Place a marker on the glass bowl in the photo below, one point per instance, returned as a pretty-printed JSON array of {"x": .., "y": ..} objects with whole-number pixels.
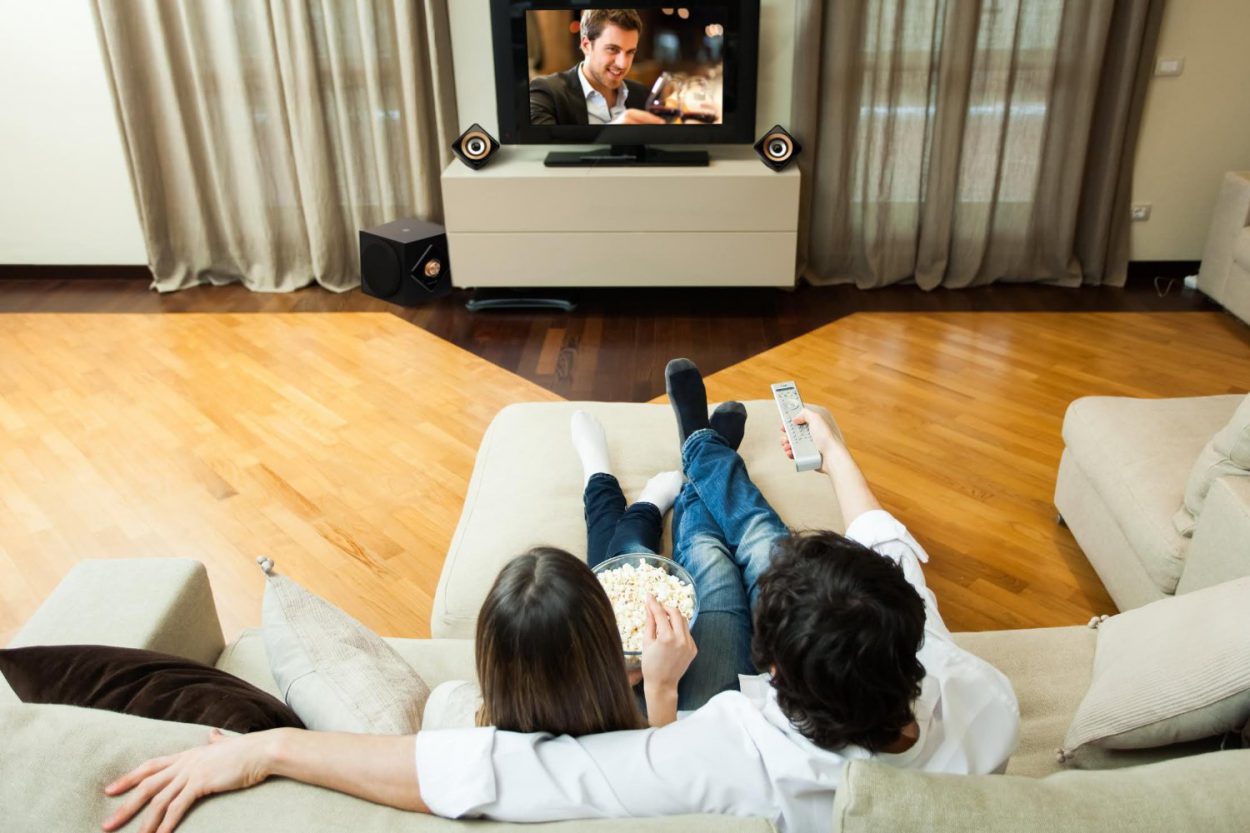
[{"x": 634, "y": 658}]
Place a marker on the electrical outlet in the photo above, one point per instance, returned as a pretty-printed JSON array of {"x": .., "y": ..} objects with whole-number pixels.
[
  {"x": 1169, "y": 67},
  {"x": 1141, "y": 211}
]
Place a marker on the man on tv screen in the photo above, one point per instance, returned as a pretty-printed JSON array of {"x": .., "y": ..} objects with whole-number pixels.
[{"x": 596, "y": 91}]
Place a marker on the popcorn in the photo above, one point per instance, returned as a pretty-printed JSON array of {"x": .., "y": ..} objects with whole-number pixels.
[{"x": 627, "y": 587}]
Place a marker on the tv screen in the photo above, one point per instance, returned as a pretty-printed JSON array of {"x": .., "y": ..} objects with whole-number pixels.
[{"x": 589, "y": 72}]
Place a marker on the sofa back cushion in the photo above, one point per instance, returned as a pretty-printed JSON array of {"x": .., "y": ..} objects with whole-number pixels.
[
  {"x": 1228, "y": 453},
  {"x": 1175, "y": 670},
  {"x": 65, "y": 790},
  {"x": 1206, "y": 792}
]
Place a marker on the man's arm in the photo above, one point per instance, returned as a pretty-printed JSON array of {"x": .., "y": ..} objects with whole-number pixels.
[
  {"x": 852, "y": 490},
  {"x": 542, "y": 103},
  {"x": 376, "y": 768}
]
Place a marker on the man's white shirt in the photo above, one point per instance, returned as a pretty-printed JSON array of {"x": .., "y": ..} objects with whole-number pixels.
[
  {"x": 738, "y": 754},
  {"x": 597, "y": 108}
]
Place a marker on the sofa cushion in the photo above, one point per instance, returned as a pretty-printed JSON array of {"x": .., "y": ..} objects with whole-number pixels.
[
  {"x": 65, "y": 791},
  {"x": 1159, "y": 798},
  {"x": 1227, "y": 453},
  {"x": 1241, "y": 249},
  {"x": 526, "y": 490},
  {"x": 1175, "y": 670},
  {"x": 143, "y": 683},
  {"x": 1138, "y": 453},
  {"x": 336, "y": 674}
]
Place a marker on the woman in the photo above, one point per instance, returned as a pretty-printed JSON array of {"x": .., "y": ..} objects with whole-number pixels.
[{"x": 549, "y": 660}]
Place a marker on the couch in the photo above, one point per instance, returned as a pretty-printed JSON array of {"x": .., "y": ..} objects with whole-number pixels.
[
  {"x": 167, "y": 605},
  {"x": 1122, "y": 478},
  {"x": 1225, "y": 272}
]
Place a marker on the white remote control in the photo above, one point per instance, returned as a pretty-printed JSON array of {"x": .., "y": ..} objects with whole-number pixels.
[{"x": 806, "y": 457}]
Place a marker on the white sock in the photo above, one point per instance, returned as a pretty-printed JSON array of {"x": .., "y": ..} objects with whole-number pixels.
[
  {"x": 662, "y": 490},
  {"x": 591, "y": 444}
]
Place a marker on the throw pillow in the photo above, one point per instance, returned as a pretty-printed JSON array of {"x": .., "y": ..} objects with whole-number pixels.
[
  {"x": 1227, "y": 453},
  {"x": 336, "y": 674},
  {"x": 141, "y": 683},
  {"x": 1175, "y": 670}
]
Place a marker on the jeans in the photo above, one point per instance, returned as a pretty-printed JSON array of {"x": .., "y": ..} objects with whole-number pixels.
[
  {"x": 723, "y": 534},
  {"x": 611, "y": 528}
]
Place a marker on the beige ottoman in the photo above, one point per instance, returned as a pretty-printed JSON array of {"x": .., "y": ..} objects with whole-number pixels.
[{"x": 526, "y": 490}]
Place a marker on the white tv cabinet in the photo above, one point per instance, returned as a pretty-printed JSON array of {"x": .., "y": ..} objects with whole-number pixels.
[{"x": 516, "y": 223}]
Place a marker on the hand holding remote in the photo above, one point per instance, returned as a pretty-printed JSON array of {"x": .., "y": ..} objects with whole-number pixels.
[{"x": 821, "y": 434}]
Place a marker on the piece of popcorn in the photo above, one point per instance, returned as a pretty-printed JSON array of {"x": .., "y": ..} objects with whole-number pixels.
[{"x": 627, "y": 587}]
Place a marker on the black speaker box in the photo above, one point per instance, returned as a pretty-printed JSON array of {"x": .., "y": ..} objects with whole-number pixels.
[
  {"x": 777, "y": 148},
  {"x": 474, "y": 147},
  {"x": 405, "y": 262}
]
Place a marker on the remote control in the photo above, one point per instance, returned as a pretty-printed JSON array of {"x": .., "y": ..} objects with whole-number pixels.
[{"x": 806, "y": 457}]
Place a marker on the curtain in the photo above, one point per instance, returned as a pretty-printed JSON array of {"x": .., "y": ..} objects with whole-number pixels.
[
  {"x": 962, "y": 142},
  {"x": 263, "y": 134}
]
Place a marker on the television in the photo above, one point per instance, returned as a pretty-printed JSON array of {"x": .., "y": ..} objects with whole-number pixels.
[{"x": 650, "y": 73}]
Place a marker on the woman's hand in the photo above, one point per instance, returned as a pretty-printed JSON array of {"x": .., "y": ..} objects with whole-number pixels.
[
  {"x": 169, "y": 786},
  {"x": 667, "y": 651}
]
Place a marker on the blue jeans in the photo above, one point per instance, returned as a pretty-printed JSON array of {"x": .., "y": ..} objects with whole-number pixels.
[
  {"x": 611, "y": 528},
  {"x": 723, "y": 534}
]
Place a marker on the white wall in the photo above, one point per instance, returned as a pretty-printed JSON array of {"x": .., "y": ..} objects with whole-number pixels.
[
  {"x": 473, "y": 57},
  {"x": 65, "y": 195},
  {"x": 1195, "y": 127}
]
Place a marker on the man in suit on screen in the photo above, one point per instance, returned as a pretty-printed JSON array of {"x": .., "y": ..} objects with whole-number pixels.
[{"x": 596, "y": 91}]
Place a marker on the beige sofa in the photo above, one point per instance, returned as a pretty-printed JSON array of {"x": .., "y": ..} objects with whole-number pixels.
[
  {"x": 1122, "y": 478},
  {"x": 1225, "y": 272},
  {"x": 55, "y": 760}
]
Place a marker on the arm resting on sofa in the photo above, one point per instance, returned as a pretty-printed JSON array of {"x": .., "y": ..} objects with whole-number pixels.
[
  {"x": 1220, "y": 550},
  {"x": 160, "y": 604}
]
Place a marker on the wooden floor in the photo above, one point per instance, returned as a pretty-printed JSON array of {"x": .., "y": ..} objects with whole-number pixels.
[{"x": 340, "y": 443}]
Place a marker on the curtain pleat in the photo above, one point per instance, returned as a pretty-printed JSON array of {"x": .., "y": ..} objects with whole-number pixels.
[
  {"x": 261, "y": 136},
  {"x": 961, "y": 143}
]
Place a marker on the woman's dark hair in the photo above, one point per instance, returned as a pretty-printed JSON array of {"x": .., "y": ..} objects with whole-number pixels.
[
  {"x": 548, "y": 653},
  {"x": 840, "y": 626}
]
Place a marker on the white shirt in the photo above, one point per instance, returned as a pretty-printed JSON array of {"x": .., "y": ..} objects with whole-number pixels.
[
  {"x": 738, "y": 755},
  {"x": 597, "y": 108}
]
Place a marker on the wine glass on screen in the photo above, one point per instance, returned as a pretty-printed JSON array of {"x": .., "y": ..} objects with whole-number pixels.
[
  {"x": 664, "y": 100},
  {"x": 698, "y": 104}
]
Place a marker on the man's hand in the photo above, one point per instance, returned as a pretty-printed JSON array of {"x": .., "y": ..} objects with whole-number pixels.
[
  {"x": 823, "y": 437},
  {"x": 168, "y": 786},
  {"x": 667, "y": 651},
  {"x": 633, "y": 115}
]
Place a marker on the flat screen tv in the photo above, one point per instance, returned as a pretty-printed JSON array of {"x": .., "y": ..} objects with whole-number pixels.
[{"x": 630, "y": 77}]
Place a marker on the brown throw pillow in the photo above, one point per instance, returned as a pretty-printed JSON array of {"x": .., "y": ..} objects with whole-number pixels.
[{"x": 141, "y": 683}]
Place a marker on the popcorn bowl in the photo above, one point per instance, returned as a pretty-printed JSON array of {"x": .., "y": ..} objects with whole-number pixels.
[{"x": 628, "y": 615}]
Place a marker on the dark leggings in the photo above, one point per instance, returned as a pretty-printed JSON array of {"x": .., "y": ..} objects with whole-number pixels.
[{"x": 611, "y": 528}]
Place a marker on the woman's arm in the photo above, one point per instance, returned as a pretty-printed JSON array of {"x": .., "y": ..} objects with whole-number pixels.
[
  {"x": 380, "y": 769},
  {"x": 667, "y": 651}
]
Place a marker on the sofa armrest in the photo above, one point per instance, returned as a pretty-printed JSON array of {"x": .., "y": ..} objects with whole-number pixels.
[
  {"x": 160, "y": 604},
  {"x": 1231, "y": 215},
  {"x": 1220, "y": 550}
]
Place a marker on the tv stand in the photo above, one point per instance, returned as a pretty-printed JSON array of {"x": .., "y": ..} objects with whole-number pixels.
[
  {"x": 626, "y": 155},
  {"x": 518, "y": 224}
]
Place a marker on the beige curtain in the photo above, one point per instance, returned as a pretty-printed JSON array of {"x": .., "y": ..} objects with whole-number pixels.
[
  {"x": 263, "y": 134},
  {"x": 960, "y": 142}
]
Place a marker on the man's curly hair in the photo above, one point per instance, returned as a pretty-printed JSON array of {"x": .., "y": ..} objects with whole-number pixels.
[{"x": 840, "y": 626}]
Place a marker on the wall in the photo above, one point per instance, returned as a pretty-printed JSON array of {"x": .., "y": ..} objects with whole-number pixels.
[
  {"x": 1195, "y": 126},
  {"x": 474, "y": 61},
  {"x": 66, "y": 195}
]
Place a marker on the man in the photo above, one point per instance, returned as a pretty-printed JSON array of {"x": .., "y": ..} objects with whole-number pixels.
[
  {"x": 596, "y": 91},
  {"x": 860, "y": 665}
]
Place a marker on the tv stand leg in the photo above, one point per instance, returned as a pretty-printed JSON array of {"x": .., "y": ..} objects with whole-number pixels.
[{"x": 487, "y": 299}]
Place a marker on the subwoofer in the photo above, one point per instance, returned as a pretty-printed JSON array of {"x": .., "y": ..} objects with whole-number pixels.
[
  {"x": 475, "y": 147},
  {"x": 405, "y": 262},
  {"x": 777, "y": 148}
]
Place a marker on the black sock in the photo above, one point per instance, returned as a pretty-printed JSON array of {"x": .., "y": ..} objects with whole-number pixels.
[
  {"x": 730, "y": 421},
  {"x": 687, "y": 395}
]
